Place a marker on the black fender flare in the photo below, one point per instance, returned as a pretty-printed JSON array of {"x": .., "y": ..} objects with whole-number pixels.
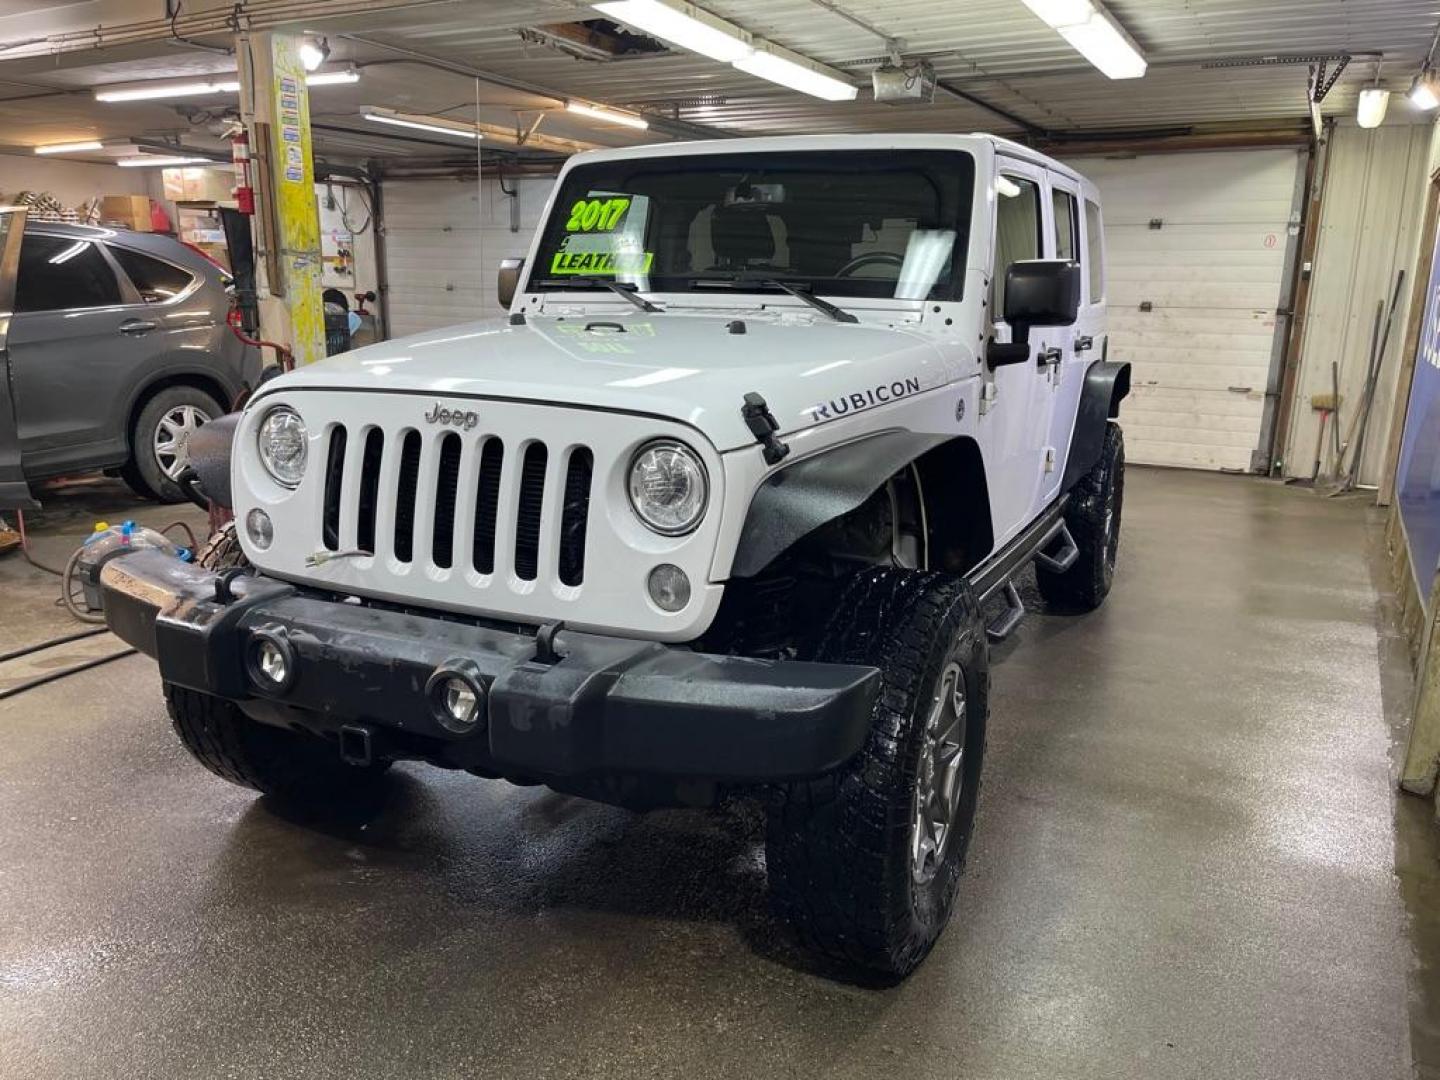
[
  {"x": 796, "y": 500},
  {"x": 1107, "y": 383},
  {"x": 210, "y": 448}
]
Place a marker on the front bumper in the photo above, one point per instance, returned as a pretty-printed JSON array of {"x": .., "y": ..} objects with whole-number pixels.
[{"x": 600, "y": 706}]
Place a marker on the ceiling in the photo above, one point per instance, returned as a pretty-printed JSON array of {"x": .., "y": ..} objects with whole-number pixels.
[{"x": 422, "y": 57}]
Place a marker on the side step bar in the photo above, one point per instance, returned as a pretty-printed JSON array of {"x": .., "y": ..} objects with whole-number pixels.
[
  {"x": 997, "y": 574},
  {"x": 1000, "y": 628},
  {"x": 1065, "y": 558}
]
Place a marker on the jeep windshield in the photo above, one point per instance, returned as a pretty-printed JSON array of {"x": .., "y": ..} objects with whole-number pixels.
[{"x": 854, "y": 223}]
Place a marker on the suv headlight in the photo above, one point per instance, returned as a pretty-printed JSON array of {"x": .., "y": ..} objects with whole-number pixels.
[
  {"x": 283, "y": 444},
  {"x": 668, "y": 487}
]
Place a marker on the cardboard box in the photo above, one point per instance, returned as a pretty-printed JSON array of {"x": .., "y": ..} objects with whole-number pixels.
[{"x": 126, "y": 211}]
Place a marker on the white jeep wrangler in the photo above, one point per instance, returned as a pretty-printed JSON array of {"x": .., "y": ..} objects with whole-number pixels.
[{"x": 715, "y": 510}]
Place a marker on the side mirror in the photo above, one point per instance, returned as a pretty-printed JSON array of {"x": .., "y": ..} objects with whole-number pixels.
[
  {"x": 1041, "y": 292},
  {"x": 509, "y": 280}
]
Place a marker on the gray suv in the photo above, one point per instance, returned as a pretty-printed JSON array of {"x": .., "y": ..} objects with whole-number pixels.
[{"x": 116, "y": 351}]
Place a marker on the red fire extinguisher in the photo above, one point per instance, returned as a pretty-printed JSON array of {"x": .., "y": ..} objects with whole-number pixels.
[{"x": 240, "y": 156}]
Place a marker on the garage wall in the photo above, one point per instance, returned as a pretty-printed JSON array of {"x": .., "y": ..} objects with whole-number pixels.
[
  {"x": 73, "y": 182},
  {"x": 444, "y": 240},
  {"x": 1369, "y": 230},
  {"x": 1201, "y": 238}
]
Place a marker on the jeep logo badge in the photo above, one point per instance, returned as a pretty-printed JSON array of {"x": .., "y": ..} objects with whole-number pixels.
[{"x": 453, "y": 417}]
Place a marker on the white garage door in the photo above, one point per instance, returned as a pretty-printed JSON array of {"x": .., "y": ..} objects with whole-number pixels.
[
  {"x": 1196, "y": 247},
  {"x": 441, "y": 256}
]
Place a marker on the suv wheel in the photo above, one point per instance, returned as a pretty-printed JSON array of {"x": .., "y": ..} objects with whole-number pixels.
[
  {"x": 865, "y": 862},
  {"x": 294, "y": 767},
  {"x": 1094, "y": 520},
  {"x": 160, "y": 440}
]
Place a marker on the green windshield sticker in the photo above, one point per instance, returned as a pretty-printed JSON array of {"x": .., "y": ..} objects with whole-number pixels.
[
  {"x": 597, "y": 215},
  {"x": 600, "y": 263}
]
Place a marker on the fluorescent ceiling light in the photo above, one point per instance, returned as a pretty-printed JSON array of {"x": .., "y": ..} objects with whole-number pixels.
[
  {"x": 681, "y": 24},
  {"x": 159, "y": 159},
  {"x": 797, "y": 76},
  {"x": 69, "y": 147},
  {"x": 1058, "y": 13},
  {"x": 332, "y": 78},
  {"x": 1425, "y": 91},
  {"x": 435, "y": 124},
  {"x": 1104, "y": 42},
  {"x": 161, "y": 89},
  {"x": 1094, "y": 34},
  {"x": 1370, "y": 112},
  {"x": 610, "y": 116},
  {"x": 220, "y": 84}
]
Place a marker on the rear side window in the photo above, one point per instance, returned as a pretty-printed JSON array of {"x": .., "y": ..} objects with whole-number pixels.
[
  {"x": 1095, "y": 244},
  {"x": 1067, "y": 225},
  {"x": 1017, "y": 231},
  {"x": 58, "y": 272},
  {"x": 154, "y": 279}
]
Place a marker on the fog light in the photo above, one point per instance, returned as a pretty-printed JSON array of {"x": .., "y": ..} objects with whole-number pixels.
[
  {"x": 461, "y": 702},
  {"x": 457, "y": 696},
  {"x": 260, "y": 528},
  {"x": 669, "y": 587},
  {"x": 271, "y": 662}
]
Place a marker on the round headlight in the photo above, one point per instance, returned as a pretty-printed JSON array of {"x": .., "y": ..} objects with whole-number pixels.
[
  {"x": 668, "y": 487},
  {"x": 283, "y": 445}
]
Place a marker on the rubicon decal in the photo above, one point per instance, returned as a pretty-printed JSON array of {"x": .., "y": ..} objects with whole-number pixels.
[{"x": 860, "y": 400}]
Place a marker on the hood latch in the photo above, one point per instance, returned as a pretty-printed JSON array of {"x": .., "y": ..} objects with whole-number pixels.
[{"x": 763, "y": 425}]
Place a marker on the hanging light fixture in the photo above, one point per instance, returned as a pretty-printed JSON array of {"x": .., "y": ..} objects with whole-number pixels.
[
  {"x": 1374, "y": 101},
  {"x": 1424, "y": 91},
  {"x": 313, "y": 51}
]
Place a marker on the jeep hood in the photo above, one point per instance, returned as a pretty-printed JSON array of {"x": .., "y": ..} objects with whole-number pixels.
[{"x": 682, "y": 366}]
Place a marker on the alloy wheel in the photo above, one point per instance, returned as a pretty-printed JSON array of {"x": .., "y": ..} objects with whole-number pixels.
[
  {"x": 172, "y": 438},
  {"x": 939, "y": 780}
]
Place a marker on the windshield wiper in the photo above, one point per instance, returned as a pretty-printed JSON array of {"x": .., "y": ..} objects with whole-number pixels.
[
  {"x": 627, "y": 289},
  {"x": 800, "y": 292}
]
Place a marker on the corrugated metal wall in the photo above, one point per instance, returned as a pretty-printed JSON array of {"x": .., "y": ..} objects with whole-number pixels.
[
  {"x": 442, "y": 251},
  {"x": 1369, "y": 230}
]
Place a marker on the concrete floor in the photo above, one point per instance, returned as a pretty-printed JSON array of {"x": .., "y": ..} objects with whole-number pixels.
[{"x": 1190, "y": 863}]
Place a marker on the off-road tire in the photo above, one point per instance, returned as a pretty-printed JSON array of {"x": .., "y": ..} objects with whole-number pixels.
[
  {"x": 221, "y": 550},
  {"x": 143, "y": 472},
  {"x": 292, "y": 766},
  {"x": 1094, "y": 520},
  {"x": 838, "y": 848}
]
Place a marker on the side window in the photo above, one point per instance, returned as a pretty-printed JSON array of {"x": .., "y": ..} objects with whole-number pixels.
[
  {"x": 1017, "y": 231},
  {"x": 1095, "y": 243},
  {"x": 155, "y": 279},
  {"x": 1067, "y": 224},
  {"x": 58, "y": 272}
]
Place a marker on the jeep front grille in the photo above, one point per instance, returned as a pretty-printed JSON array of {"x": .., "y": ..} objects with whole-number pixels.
[{"x": 414, "y": 480}]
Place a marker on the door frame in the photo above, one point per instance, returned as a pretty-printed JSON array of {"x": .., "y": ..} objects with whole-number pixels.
[{"x": 14, "y": 489}]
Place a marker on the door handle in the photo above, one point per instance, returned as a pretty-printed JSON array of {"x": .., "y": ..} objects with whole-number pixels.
[
  {"x": 1084, "y": 344},
  {"x": 136, "y": 327}
]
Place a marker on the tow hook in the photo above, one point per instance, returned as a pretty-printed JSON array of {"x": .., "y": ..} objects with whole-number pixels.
[
  {"x": 763, "y": 425},
  {"x": 545, "y": 644}
]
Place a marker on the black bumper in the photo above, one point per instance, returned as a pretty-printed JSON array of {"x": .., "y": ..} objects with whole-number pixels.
[{"x": 603, "y": 705}]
